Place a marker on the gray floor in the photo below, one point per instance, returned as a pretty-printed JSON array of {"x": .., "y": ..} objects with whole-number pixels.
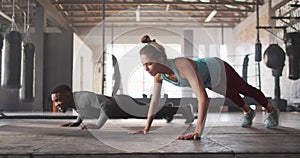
[{"x": 223, "y": 137}]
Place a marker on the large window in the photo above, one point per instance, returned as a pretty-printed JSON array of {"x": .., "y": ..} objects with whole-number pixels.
[{"x": 135, "y": 80}]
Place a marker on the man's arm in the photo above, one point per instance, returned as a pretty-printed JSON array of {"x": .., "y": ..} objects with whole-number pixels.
[
  {"x": 102, "y": 119},
  {"x": 100, "y": 122},
  {"x": 77, "y": 122}
]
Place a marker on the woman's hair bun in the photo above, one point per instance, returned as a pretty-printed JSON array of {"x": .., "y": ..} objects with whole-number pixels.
[{"x": 147, "y": 39}]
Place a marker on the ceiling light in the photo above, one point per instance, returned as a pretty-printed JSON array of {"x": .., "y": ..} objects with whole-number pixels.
[
  {"x": 167, "y": 7},
  {"x": 137, "y": 14},
  {"x": 189, "y": 0},
  {"x": 205, "y": 1},
  {"x": 231, "y": 6},
  {"x": 61, "y": 7},
  {"x": 211, "y": 15}
]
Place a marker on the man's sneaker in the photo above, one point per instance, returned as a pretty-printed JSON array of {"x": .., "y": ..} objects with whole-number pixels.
[
  {"x": 272, "y": 119},
  {"x": 169, "y": 118},
  {"x": 187, "y": 112},
  {"x": 248, "y": 118}
]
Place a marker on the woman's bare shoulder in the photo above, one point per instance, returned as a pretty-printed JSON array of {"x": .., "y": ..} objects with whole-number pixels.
[{"x": 183, "y": 62}]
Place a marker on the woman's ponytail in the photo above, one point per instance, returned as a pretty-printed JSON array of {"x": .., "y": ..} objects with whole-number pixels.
[
  {"x": 152, "y": 48},
  {"x": 146, "y": 39}
]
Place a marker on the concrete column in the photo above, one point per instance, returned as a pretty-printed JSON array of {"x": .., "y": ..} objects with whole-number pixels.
[
  {"x": 39, "y": 57},
  {"x": 188, "y": 43},
  {"x": 188, "y": 51}
]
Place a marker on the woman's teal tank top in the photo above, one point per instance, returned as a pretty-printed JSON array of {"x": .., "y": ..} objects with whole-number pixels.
[{"x": 209, "y": 70}]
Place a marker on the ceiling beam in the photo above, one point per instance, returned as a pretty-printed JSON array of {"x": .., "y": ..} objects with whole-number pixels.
[
  {"x": 157, "y": 10},
  {"x": 155, "y": 16},
  {"x": 141, "y": 24},
  {"x": 54, "y": 16},
  {"x": 150, "y": 22},
  {"x": 138, "y": 2}
]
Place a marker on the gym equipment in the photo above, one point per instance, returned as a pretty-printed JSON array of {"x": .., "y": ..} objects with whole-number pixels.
[
  {"x": 274, "y": 58},
  {"x": 1, "y": 46},
  {"x": 44, "y": 115},
  {"x": 258, "y": 45},
  {"x": 245, "y": 67},
  {"x": 1, "y": 42},
  {"x": 292, "y": 46},
  {"x": 11, "y": 60},
  {"x": 26, "y": 91},
  {"x": 116, "y": 75},
  {"x": 258, "y": 51}
]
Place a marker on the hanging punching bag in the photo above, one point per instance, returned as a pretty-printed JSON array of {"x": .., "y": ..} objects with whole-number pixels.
[
  {"x": 245, "y": 68},
  {"x": 26, "y": 90},
  {"x": 274, "y": 56},
  {"x": 1, "y": 42},
  {"x": 1, "y": 46},
  {"x": 11, "y": 60},
  {"x": 258, "y": 52},
  {"x": 293, "y": 52}
]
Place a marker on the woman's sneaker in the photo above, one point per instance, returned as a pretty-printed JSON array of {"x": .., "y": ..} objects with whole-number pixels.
[
  {"x": 272, "y": 119},
  {"x": 248, "y": 118}
]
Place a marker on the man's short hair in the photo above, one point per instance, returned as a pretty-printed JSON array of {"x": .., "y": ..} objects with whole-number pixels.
[{"x": 63, "y": 88}]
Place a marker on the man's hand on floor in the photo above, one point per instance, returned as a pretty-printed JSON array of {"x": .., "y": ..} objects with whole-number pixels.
[
  {"x": 89, "y": 126},
  {"x": 71, "y": 124}
]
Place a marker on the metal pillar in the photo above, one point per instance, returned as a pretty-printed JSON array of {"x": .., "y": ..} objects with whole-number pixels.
[{"x": 103, "y": 46}]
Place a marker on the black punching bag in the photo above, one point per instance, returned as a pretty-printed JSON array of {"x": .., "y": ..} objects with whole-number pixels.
[
  {"x": 245, "y": 68},
  {"x": 1, "y": 42},
  {"x": 274, "y": 57},
  {"x": 1, "y": 46},
  {"x": 11, "y": 60},
  {"x": 293, "y": 53},
  {"x": 26, "y": 90},
  {"x": 258, "y": 52}
]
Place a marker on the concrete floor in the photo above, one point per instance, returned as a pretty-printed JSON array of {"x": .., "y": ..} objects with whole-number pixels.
[{"x": 222, "y": 138}]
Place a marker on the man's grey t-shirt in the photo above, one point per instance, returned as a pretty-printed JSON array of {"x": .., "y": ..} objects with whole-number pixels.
[{"x": 91, "y": 105}]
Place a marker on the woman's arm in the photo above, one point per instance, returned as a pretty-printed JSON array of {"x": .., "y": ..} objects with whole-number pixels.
[
  {"x": 153, "y": 105},
  {"x": 187, "y": 70}
]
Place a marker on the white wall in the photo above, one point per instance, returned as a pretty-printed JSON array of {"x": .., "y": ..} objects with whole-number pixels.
[{"x": 83, "y": 66}]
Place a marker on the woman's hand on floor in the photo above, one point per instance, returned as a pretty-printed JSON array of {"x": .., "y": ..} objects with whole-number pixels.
[
  {"x": 141, "y": 131},
  {"x": 70, "y": 124},
  {"x": 189, "y": 136}
]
